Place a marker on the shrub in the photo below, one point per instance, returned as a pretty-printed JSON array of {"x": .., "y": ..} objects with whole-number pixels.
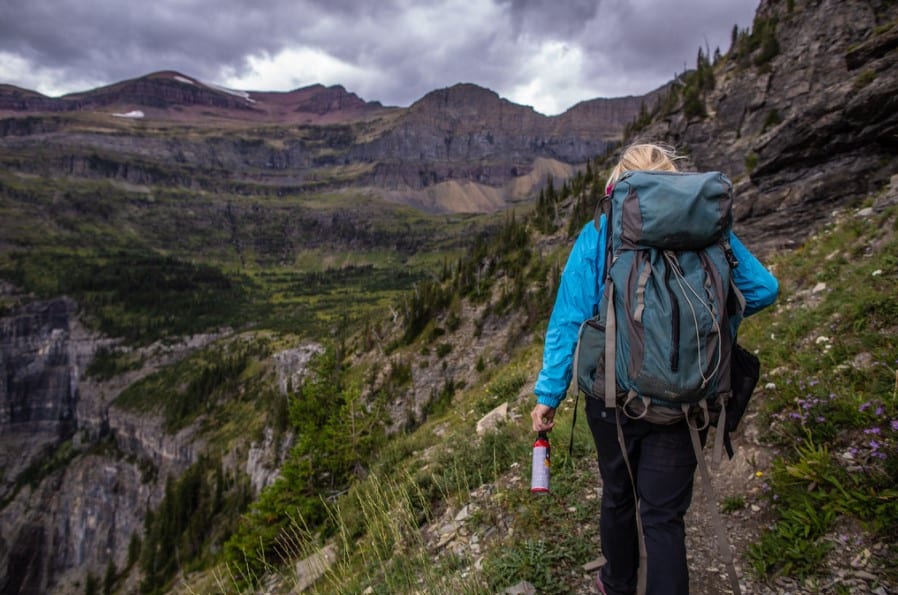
[
  {"x": 751, "y": 161},
  {"x": 772, "y": 119},
  {"x": 864, "y": 79}
]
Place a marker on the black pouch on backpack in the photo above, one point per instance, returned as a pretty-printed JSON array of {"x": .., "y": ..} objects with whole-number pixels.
[
  {"x": 589, "y": 359},
  {"x": 745, "y": 371}
]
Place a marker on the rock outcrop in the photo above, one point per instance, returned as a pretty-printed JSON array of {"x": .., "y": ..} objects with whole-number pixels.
[
  {"x": 804, "y": 131},
  {"x": 469, "y": 133}
]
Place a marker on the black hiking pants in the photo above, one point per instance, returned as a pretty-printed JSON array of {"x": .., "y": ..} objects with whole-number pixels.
[{"x": 663, "y": 465}]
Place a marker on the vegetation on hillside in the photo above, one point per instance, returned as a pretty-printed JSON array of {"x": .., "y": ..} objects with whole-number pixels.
[
  {"x": 832, "y": 419},
  {"x": 376, "y": 496},
  {"x": 832, "y": 403},
  {"x": 338, "y": 433},
  {"x": 829, "y": 402},
  {"x": 148, "y": 263}
]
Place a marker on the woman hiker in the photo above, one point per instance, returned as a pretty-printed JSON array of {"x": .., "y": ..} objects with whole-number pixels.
[{"x": 661, "y": 456}]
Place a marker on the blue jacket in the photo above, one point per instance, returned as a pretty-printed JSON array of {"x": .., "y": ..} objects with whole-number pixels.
[{"x": 580, "y": 291}]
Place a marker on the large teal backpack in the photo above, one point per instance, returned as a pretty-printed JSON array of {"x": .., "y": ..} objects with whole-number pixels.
[{"x": 661, "y": 343}]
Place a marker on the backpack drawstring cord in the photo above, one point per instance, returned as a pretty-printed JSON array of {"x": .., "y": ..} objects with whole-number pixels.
[{"x": 674, "y": 266}]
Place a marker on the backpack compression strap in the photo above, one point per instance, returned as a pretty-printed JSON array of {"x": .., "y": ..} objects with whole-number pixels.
[
  {"x": 642, "y": 575},
  {"x": 610, "y": 348}
]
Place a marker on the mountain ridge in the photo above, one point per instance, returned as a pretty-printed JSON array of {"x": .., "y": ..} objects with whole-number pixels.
[
  {"x": 310, "y": 139},
  {"x": 167, "y": 89}
]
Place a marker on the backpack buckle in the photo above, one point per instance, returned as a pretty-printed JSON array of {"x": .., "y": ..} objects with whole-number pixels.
[{"x": 730, "y": 256}]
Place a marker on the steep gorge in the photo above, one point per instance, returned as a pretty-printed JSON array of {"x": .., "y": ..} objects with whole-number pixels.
[{"x": 245, "y": 180}]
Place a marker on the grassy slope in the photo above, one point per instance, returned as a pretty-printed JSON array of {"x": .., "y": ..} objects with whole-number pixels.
[
  {"x": 831, "y": 407},
  {"x": 831, "y": 413}
]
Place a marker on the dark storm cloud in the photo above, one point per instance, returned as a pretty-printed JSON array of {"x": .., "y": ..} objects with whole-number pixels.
[
  {"x": 551, "y": 52},
  {"x": 111, "y": 39},
  {"x": 550, "y": 17},
  {"x": 645, "y": 32}
]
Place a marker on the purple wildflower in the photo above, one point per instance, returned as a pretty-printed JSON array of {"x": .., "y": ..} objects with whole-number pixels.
[
  {"x": 864, "y": 406},
  {"x": 894, "y": 425},
  {"x": 875, "y": 431},
  {"x": 879, "y": 410}
]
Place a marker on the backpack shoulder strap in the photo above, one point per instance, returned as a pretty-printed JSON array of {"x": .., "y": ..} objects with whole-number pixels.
[{"x": 608, "y": 296}]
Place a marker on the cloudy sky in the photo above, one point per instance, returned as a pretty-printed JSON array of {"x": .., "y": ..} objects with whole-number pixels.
[{"x": 549, "y": 54}]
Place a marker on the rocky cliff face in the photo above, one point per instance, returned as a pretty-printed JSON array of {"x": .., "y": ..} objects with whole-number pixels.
[
  {"x": 807, "y": 130},
  {"x": 42, "y": 350},
  {"x": 74, "y": 485},
  {"x": 80, "y": 473},
  {"x": 36, "y": 367},
  {"x": 469, "y": 133},
  {"x": 77, "y": 520}
]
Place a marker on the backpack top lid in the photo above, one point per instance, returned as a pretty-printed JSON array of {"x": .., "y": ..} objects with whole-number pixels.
[{"x": 670, "y": 210}]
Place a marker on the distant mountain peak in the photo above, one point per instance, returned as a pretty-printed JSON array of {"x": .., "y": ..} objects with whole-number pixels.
[
  {"x": 461, "y": 96},
  {"x": 169, "y": 94}
]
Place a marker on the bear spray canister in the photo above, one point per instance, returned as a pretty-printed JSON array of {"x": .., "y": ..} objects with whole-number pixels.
[{"x": 539, "y": 475}]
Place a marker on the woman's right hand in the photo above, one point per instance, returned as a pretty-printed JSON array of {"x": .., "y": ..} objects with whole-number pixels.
[{"x": 543, "y": 418}]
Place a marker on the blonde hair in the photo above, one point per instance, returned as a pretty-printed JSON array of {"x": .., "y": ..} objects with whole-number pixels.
[{"x": 643, "y": 157}]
